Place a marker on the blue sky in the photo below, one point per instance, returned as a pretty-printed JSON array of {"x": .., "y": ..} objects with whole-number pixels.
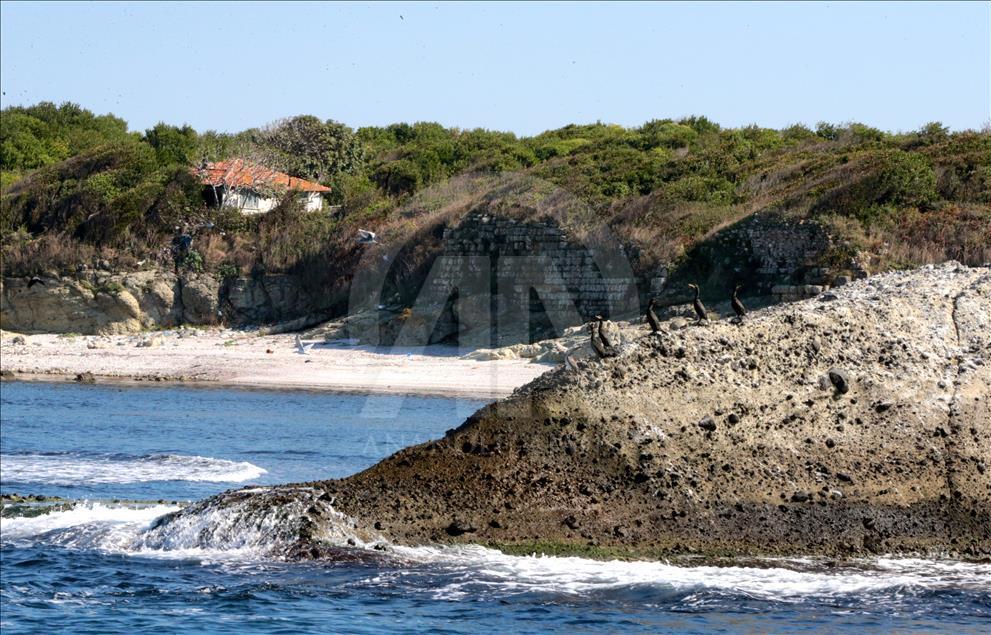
[{"x": 524, "y": 68}]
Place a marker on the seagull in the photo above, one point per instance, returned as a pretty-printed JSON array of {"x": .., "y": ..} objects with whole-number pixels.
[
  {"x": 301, "y": 348},
  {"x": 366, "y": 237},
  {"x": 35, "y": 280}
]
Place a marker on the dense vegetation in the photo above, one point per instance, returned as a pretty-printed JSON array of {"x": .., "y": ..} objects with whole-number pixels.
[{"x": 78, "y": 187}]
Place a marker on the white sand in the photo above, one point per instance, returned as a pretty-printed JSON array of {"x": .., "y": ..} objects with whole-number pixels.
[{"x": 243, "y": 358}]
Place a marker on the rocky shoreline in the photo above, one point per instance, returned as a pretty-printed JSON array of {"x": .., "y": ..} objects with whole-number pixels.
[{"x": 720, "y": 440}]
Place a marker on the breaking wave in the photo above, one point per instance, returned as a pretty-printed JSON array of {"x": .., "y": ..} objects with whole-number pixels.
[
  {"x": 245, "y": 532},
  {"x": 88, "y": 469}
]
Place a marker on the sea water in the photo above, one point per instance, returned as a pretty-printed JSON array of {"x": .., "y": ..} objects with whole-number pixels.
[{"x": 88, "y": 569}]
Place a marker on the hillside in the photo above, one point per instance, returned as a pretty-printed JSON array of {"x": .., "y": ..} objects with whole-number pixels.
[{"x": 81, "y": 193}]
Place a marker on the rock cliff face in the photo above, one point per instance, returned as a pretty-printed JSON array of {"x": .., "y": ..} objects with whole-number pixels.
[
  {"x": 855, "y": 422},
  {"x": 94, "y": 303},
  {"x": 114, "y": 303}
]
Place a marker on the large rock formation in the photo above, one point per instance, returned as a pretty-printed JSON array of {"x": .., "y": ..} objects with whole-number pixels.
[
  {"x": 105, "y": 303},
  {"x": 93, "y": 302},
  {"x": 855, "y": 422}
]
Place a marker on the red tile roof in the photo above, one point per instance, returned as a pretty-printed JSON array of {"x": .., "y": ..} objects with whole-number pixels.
[{"x": 238, "y": 173}]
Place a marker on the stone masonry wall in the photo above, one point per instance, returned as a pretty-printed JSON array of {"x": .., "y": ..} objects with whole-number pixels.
[{"x": 541, "y": 281}]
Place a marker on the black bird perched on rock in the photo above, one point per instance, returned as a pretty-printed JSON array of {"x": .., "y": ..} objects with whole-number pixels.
[
  {"x": 655, "y": 324},
  {"x": 601, "y": 350},
  {"x": 738, "y": 307},
  {"x": 697, "y": 304},
  {"x": 35, "y": 280},
  {"x": 602, "y": 332}
]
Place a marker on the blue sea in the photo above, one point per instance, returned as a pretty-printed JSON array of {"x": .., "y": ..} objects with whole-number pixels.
[{"x": 86, "y": 570}]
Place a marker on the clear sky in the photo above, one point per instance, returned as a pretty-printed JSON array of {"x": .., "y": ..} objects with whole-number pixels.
[{"x": 519, "y": 67}]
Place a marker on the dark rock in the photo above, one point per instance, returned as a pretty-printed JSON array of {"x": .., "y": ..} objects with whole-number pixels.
[
  {"x": 708, "y": 424},
  {"x": 840, "y": 380},
  {"x": 85, "y": 378},
  {"x": 800, "y": 497},
  {"x": 458, "y": 528}
]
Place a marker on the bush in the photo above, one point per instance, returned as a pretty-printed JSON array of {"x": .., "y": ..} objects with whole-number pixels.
[
  {"x": 667, "y": 134},
  {"x": 887, "y": 181}
]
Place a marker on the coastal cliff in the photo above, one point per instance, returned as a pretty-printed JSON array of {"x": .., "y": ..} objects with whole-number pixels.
[{"x": 855, "y": 422}]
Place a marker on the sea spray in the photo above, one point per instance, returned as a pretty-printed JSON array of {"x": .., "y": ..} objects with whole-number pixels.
[{"x": 275, "y": 521}]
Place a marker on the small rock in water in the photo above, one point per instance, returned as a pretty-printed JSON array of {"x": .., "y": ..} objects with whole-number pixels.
[{"x": 85, "y": 378}]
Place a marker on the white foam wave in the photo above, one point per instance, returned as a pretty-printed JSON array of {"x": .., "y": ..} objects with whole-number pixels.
[
  {"x": 479, "y": 568},
  {"x": 73, "y": 469},
  {"x": 112, "y": 529},
  {"x": 86, "y": 525},
  {"x": 231, "y": 533}
]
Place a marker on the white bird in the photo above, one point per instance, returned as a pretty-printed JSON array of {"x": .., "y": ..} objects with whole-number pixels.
[
  {"x": 301, "y": 348},
  {"x": 366, "y": 237}
]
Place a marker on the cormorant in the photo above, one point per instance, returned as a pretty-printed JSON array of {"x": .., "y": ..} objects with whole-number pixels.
[
  {"x": 655, "y": 324},
  {"x": 602, "y": 333},
  {"x": 601, "y": 350},
  {"x": 35, "y": 280},
  {"x": 697, "y": 304},
  {"x": 738, "y": 307}
]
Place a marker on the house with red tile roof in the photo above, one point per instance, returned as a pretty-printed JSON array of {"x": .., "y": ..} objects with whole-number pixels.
[{"x": 253, "y": 188}]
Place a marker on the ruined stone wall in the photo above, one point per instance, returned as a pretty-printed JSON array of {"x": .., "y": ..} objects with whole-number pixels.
[
  {"x": 769, "y": 254},
  {"x": 540, "y": 280}
]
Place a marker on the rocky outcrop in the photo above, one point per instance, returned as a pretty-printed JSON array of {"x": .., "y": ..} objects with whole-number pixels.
[
  {"x": 852, "y": 423},
  {"x": 100, "y": 302}
]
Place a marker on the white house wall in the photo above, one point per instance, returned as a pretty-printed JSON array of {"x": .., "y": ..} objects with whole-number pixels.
[
  {"x": 314, "y": 202},
  {"x": 250, "y": 203}
]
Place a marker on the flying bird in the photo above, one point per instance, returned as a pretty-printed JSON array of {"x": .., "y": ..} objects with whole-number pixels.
[
  {"x": 301, "y": 348},
  {"x": 366, "y": 237},
  {"x": 35, "y": 280}
]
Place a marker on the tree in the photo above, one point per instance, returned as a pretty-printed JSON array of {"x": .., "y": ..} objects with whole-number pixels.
[
  {"x": 173, "y": 145},
  {"x": 309, "y": 148}
]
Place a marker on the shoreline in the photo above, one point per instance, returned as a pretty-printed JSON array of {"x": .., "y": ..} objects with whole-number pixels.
[
  {"x": 220, "y": 384},
  {"x": 237, "y": 359}
]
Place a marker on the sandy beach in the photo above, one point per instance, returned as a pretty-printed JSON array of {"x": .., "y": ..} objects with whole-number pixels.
[{"x": 245, "y": 358}]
